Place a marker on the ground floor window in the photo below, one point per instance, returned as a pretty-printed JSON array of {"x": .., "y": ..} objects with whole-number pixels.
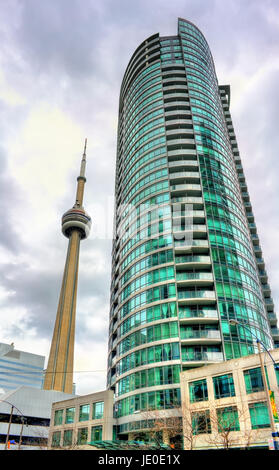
[
  {"x": 82, "y": 436},
  {"x": 259, "y": 415},
  {"x": 96, "y": 433},
  {"x": 68, "y": 437},
  {"x": 56, "y": 436}
]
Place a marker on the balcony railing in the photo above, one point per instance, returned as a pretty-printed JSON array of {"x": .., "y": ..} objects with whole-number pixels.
[
  {"x": 190, "y": 243},
  {"x": 188, "y": 214},
  {"x": 194, "y": 276},
  {"x": 185, "y": 187},
  {"x": 200, "y": 334},
  {"x": 189, "y": 228},
  {"x": 198, "y": 314},
  {"x": 202, "y": 357},
  {"x": 192, "y": 259},
  {"x": 196, "y": 294}
]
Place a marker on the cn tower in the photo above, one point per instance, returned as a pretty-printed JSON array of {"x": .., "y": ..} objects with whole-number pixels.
[{"x": 76, "y": 225}]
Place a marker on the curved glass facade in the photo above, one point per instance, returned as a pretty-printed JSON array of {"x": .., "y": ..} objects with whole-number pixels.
[{"x": 185, "y": 257}]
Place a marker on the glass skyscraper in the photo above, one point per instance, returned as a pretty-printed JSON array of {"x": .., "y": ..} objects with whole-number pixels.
[{"x": 186, "y": 256}]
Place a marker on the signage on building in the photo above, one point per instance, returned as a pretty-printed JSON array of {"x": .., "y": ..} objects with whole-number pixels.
[{"x": 273, "y": 406}]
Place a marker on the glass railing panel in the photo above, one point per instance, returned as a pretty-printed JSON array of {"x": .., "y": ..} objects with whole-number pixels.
[
  {"x": 196, "y": 294},
  {"x": 200, "y": 334},
  {"x": 198, "y": 313},
  {"x": 193, "y": 276}
]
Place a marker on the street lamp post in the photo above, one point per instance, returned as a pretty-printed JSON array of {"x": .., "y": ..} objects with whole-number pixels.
[
  {"x": 10, "y": 422},
  {"x": 266, "y": 389},
  {"x": 9, "y": 427}
]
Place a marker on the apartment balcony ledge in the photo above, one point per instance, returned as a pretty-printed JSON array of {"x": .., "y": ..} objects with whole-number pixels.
[
  {"x": 196, "y": 297},
  {"x": 200, "y": 359},
  {"x": 202, "y": 337},
  {"x": 275, "y": 333},
  {"x": 193, "y": 261},
  {"x": 199, "y": 317},
  {"x": 194, "y": 278}
]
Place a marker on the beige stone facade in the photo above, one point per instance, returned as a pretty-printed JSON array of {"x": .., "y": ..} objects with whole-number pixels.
[
  {"x": 80, "y": 420},
  {"x": 234, "y": 413}
]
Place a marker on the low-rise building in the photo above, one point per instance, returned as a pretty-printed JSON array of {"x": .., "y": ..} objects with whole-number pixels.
[
  {"x": 25, "y": 417},
  {"x": 19, "y": 368},
  {"x": 225, "y": 405},
  {"x": 78, "y": 421}
]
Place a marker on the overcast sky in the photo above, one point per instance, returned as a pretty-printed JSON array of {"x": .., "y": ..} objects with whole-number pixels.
[{"x": 61, "y": 66}]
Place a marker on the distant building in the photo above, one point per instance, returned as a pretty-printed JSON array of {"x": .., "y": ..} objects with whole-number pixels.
[
  {"x": 224, "y": 405},
  {"x": 30, "y": 416},
  {"x": 19, "y": 368},
  {"x": 76, "y": 422}
]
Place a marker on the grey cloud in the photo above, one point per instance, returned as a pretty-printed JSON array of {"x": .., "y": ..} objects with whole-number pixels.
[{"x": 9, "y": 197}]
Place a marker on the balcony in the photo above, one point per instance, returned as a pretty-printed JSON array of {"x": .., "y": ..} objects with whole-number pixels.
[
  {"x": 191, "y": 189},
  {"x": 275, "y": 333},
  {"x": 186, "y": 245},
  {"x": 180, "y": 132},
  {"x": 266, "y": 289},
  {"x": 258, "y": 251},
  {"x": 185, "y": 175},
  {"x": 188, "y": 163},
  {"x": 250, "y": 217},
  {"x": 272, "y": 317},
  {"x": 176, "y": 97},
  {"x": 253, "y": 228},
  {"x": 181, "y": 121},
  {"x": 255, "y": 239},
  {"x": 182, "y": 152},
  {"x": 168, "y": 86},
  {"x": 197, "y": 216},
  {"x": 194, "y": 278},
  {"x": 263, "y": 275},
  {"x": 245, "y": 196},
  {"x": 198, "y": 316},
  {"x": 193, "y": 261},
  {"x": 176, "y": 114},
  {"x": 196, "y": 230},
  {"x": 196, "y": 297},
  {"x": 269, "y": 304},
  {"x": 200, "y": 337},
  {"x": 260, "y": 262},
  {"x": 199, "y": 358},
  {"x": 181, "y": 143},
  {"x": 196, "y": 202}
]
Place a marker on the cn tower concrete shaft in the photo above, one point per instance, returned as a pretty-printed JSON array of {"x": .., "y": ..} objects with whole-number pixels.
[{"x": 75, "y": 226}]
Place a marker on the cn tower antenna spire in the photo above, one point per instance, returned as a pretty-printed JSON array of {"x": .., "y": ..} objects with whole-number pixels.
[
  {"x": 76, "y": 225},
  {"x": 81, "y": 179},
  {"x": 83, "y": 161}
]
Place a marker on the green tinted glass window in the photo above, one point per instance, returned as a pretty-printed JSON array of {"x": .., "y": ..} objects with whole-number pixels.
[
  {"x": 223, "y": 386},
  {"x": 70, "y": 415},
  {"x": 56, "y": 437},
  {"x": 201, "y": 422},
  {"x": 259, "y": 415},
  {"x": 198, "y": 390},
  {"x": 227, "y": 419},
  {"x": 68, "y": 437},
  {"x": 58, "y": 417},
  {"x": 84, "y": 412},
  {"x": 82, "y": 436},
  {"x": 253, "y": 380},
  {"x": 98, "y": 410},
  {"x": 96, "y": 433}
]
